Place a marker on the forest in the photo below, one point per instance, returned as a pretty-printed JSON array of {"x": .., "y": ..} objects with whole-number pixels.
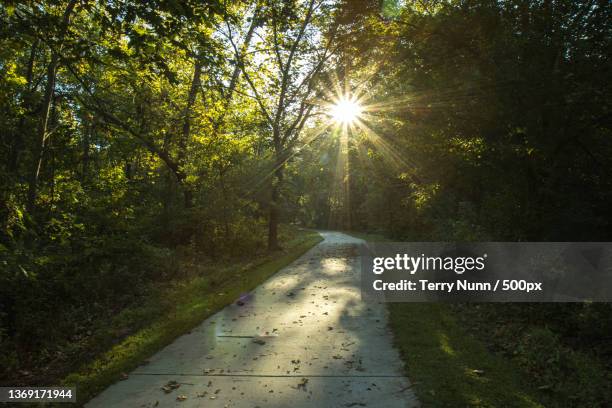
[{"x": 146, "y": 144}]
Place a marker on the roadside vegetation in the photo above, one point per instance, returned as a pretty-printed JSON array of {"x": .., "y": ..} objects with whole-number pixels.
[
  {"x": 449, "y": 367},
  {"x": 142, "y": 167},
  {"x": 504, "y": 354},
  {"x": 152, "y": 150},
  {"x": 119, "y": 343}
]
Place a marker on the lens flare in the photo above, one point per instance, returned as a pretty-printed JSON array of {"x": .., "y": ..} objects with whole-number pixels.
[{"x": 345, "y": 110}]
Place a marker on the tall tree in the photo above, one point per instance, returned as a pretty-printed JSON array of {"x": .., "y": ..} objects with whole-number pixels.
[
  {"x": 55, "y": 50},
  {"x": 298, "y": 45}
]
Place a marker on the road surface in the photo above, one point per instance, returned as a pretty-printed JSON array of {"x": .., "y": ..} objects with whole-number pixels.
[{"x": 304, "y": 338}]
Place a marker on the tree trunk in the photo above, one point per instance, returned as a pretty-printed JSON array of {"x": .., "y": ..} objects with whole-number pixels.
[
  {"x": 226, "y": 227},
  {"x": 43, "y": 122},
  {"x": 237, "y": 69},
  {"x": 273, "y": 221},
  {"x": 187, "y": 197},
  {"x": 87, "y": 134},
  {"x": 41, "y": 133},
  {"x": 184, "y": 140}
]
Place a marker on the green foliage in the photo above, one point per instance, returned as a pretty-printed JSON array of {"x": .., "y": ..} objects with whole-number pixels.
[
  {"x": 140, "y": 141},
  {"x": 571, "y": 376},
  {"x": 449, "y": 367},
  {"x": 166, "y": 313},
  {"x": 490, "y": 120},
  {"x": 561, "y": 347},
  {"x": 533, "y": 354},
  {"x": 128, "y": 142}
]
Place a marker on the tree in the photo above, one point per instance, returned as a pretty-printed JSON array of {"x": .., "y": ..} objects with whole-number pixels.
[{"x": 297, "y": 49}]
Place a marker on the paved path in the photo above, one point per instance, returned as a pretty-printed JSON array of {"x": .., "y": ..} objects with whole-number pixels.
[{"x": 303, "y": 338}]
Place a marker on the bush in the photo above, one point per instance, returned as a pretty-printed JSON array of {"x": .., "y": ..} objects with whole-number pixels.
[{"x": 574, "y": 377}]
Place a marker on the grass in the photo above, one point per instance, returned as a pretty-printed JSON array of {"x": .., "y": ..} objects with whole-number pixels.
[
  {"x": 552, "y": 343},
  {"x": 185, "y": 304},
  {"x": 451, "y": 368},
  {"x": 448, "y": 366}
]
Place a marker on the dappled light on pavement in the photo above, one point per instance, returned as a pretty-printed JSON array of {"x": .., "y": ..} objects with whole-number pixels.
[{"x": 304, "y": 338}]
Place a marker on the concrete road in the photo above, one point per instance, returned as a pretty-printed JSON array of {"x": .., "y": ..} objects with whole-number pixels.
[{"x": 304, "y": 338}]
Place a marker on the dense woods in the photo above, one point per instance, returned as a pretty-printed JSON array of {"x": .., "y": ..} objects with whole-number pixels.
[
  {"x": 138, "y": 138},
  {"x": 488, "y": 121},
  {"x": 135, "y": 136}
]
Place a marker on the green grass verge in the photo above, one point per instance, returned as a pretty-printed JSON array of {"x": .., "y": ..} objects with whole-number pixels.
[
  {"x": 187, "y": 305},
  {"x": 569, "y": 366},
  {"x": 450, "y": 368},
  {"x": 447, "y": 366}
]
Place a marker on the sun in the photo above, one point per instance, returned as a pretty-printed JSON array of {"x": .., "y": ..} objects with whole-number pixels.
[{"x": 345, "y": 110}]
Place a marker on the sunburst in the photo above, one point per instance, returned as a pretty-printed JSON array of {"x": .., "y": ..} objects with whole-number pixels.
[{"x": 345, "y": 110}]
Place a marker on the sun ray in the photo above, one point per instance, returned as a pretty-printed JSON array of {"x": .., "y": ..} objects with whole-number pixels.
[
  {"x": 388, "y": 151},
  {"x": 310, "y": 136},
  {"x": 345, "y": 110},
  {"x": 339, "y": 193}
]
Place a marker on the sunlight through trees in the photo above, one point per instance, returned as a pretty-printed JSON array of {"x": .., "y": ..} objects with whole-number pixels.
[{"x": 141, "y": 140}]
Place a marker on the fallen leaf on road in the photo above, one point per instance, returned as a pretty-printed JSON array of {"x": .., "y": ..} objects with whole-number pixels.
[
  {"x": 302, "y": 384},
  {"x": 170, "y": 386}
]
